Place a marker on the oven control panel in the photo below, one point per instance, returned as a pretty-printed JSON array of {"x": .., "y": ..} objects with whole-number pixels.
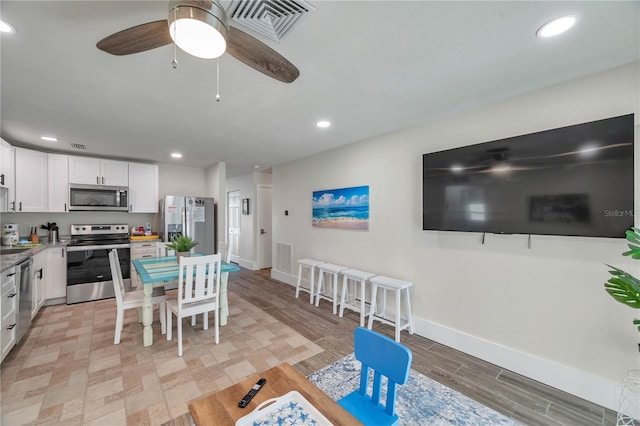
[{"x": 99, "y": 229}]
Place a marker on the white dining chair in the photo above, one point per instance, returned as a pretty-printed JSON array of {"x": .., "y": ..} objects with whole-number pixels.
[
  {"x": 198, "y": 293},
  {"x": 223, "y": 249},
  {"x": 162, "y": 251},
  {"x": 132, "y": 299}
]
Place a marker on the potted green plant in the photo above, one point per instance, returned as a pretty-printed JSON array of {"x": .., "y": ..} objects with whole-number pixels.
[
  {"x": 622, "y": 286},
  {"x": 182, "y": 245}
]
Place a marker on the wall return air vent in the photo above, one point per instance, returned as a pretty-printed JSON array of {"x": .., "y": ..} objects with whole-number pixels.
[
  {"x": 271, "y": 18},
  {"x": 78, "y": 146}
]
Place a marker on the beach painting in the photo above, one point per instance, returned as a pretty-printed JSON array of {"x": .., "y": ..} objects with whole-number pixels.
[{"x": 345, "y": 208}]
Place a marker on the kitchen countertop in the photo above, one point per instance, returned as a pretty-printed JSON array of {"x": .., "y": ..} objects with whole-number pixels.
[{"x": 9, "y": 260}]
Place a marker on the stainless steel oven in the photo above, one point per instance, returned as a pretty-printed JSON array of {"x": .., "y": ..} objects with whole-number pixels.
[{"x": 88, "y": 269}]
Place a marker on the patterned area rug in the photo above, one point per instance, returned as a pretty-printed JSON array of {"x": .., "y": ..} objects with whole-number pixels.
[{"x": 421, "y": 401}]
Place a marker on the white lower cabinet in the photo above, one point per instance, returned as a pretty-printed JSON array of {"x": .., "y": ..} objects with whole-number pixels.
[
  {"x": 140, "y": 250},
  {"x": 8, "y": 311},
  {"x": 56, "y": 274}
]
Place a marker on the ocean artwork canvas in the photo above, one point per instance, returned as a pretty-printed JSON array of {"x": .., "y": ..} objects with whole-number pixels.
[{"x": 346, "y": 208}]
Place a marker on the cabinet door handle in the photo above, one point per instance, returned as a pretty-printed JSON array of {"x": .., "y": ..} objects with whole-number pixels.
[
  {"x": 11, "y": 274},
  {"x": 13, "y": 206},
  {"x": 20, "y": 205},
  {"x": 103, "y": 180},
  {"x": 2, "y": 179},
  {"x": 12, "y": 295},
  {"x": 40, "y": 272},
  {"x": 65, "y": 207},
  {"x": 11, "y": 327},
  {"x": 98, "y": 180},
  {"x": 62, "y": 250}
]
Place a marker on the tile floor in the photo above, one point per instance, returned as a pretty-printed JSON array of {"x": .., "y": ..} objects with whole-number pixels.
[{"x": 67, "y": 370}]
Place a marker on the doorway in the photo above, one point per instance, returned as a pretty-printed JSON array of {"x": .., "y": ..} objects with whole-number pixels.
[
  {"x": 263, "y": 237},
  {"x": 233, "y": 227}
]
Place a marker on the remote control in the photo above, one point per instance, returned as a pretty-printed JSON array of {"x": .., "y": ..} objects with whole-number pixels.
[{"x": 252, "y": 392}]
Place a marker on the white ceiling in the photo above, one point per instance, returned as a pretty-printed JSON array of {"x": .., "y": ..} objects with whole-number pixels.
[{"x": 370, "y": 67}]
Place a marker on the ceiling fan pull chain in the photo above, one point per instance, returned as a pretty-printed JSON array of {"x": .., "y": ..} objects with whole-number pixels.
[
  {"x": 218, "y": 80},
  {"x": 174, "y": 63}
]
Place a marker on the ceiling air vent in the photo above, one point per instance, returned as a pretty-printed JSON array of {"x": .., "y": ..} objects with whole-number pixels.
[
  {"x": 271, "y": 18},
  {"x": 78, "y": 146}
]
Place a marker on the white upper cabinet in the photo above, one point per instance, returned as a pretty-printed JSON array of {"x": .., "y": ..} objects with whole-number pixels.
[
  {"x": 7, "y": 174},
  {"x": 95, "y": 171},
  {"x": 31, "y": 180},
  {"x": 58, "y": 182},
  {"x": 143, "y": 188}
]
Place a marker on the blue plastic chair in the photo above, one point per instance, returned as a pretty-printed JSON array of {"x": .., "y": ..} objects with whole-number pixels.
[{"x": 385, "y": 357}]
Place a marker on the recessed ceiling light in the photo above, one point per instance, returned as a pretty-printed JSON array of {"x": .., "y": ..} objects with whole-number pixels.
[
  {"x": 176, "y": 155},
  {"x": 255, "y": 166},
  {"x": 5, "y": 28},
  {"x": 323, "y": 123},
  {"x": 556, "y": 26},
  {"x": 49, "y": 138}
]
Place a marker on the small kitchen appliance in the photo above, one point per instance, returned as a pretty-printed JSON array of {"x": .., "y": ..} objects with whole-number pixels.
[{"x": 10, "y": 234}]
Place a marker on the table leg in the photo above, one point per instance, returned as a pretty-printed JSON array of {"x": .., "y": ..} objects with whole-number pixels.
[
  {"x": 147, "y": 316},
  {"x": 224, "y": 302}
]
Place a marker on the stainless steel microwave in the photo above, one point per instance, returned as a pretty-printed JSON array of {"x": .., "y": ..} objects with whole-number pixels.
[{"x": 98, "y": 198}]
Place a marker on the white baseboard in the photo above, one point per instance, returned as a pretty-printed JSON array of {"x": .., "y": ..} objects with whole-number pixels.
[
  {"x": 284, "y": 277},
  {"x": 247, "y": 264},
  {"x": 563, "y": 377},
  {"x": 579, "y": 383}
]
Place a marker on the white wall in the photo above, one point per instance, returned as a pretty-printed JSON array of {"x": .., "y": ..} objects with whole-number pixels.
[
  {"x": 215, "y": 185},
  {"x": 179, "y": 180},
  {"x": 541, "y": 311}
]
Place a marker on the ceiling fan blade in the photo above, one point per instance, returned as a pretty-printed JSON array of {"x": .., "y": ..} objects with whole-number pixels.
[
  {"x": 137, "y": 39},
  {"x": 259, "y": 56}
]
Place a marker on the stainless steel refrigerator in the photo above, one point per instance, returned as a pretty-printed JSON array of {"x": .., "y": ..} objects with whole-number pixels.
[{"x": 194, "y": 217}]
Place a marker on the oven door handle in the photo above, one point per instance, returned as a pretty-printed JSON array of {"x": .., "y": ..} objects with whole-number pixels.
[{"x": 98, "y": 247}]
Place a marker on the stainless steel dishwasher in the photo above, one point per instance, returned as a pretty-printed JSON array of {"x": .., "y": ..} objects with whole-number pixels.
[{"x": 25, "y": 297}]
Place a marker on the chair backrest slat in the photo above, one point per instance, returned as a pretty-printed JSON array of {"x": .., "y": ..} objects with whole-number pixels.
[
  {"x": 387, "y": 358},
  {"x": 116, "y": 276},
  {"x": 198, "y": 279},
  {"x": 225, "y": 252}
]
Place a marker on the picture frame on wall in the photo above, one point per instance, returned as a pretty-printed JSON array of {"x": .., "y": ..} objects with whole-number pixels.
[
  {"x": 245, "y": 206},
  {"x": 343, "y": 208}
]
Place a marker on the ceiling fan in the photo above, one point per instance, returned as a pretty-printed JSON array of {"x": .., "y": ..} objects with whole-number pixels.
[{"x": 203, "y": 19}]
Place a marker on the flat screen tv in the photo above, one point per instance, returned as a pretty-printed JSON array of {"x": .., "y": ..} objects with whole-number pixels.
[{"x": 575, "y": 180}]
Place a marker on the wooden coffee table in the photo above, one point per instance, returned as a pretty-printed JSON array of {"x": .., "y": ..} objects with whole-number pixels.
[{"x": 221, "y": 408}]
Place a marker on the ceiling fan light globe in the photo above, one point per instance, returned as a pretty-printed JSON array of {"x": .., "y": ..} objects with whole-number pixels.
[{"x": 198, "y": 32}]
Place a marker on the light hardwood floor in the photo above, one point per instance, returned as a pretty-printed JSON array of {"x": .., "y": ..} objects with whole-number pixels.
[{"x": 67, "y": 370}]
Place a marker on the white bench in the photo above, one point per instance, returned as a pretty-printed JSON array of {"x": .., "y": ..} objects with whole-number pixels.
[
  {"x": 400, "y": 288},
  {"x": 307, "y": 265},
  {"x": 348, "y": 300},
  {"x": 333, "y": 271}
]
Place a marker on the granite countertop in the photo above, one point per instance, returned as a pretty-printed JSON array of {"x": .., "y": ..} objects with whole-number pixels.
[{"x": 9, "y": 260}]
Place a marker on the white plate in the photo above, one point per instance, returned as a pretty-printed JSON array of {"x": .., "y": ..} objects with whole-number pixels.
[{"x": 289, "y": 409}]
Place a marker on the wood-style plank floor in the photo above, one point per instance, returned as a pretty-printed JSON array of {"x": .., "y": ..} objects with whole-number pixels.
[{"x": 525, "y": 400}]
